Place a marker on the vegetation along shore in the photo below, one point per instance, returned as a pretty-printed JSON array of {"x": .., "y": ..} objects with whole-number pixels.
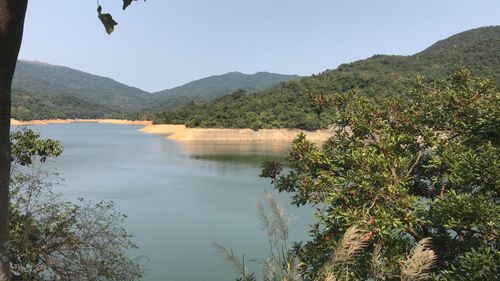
[{"x": 182, "y": 133}]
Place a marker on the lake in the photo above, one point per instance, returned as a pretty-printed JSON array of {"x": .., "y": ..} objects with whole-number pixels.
[{"x": 179, "y": 198}]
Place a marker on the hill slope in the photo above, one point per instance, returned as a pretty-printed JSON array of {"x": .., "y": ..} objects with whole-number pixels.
[
  {"x": 217, "y": 86},
  {"x": 49, "y": 80},
  {"x": 28, "y": 106},
  {"x": 377, "y": 77},
  {"x": 43, "y": 91}
]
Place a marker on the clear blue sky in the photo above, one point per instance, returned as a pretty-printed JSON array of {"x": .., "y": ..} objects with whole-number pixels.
[{"x": 160, "y": 44}]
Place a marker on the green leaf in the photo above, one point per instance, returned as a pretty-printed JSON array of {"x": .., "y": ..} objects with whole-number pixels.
[
  {"x": 126, "y": 3},
  {"x": 107, "y": 20}
]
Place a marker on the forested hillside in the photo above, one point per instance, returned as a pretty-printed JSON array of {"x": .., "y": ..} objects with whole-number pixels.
[
  {"x": 50, "y": 80},
  {"x": 29, "y": 105},
  {"x": 216, "y": 86},
  {"x": 289, "y": 104},
  {"x": 44, "y": 91}
]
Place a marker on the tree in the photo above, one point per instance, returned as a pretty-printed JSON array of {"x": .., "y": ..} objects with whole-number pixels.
[
  {"x": 424, "y": 165},
  {"x": 319, "y": 102},
  {"x": 53, "y": 239},
  {"x": 12, "y": 15}
]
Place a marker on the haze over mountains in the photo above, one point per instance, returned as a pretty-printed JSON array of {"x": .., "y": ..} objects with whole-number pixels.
[{"x": 43, "y": 91}]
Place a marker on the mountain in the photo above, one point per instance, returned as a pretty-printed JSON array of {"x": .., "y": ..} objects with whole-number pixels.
[
  {"x": 217, "y": 86},
  {"x": 378, "y": 77},
  {"x": 43, "y": 91},
  {"x": 50, "y": 80},
  {"x": 28, "y": 105}
]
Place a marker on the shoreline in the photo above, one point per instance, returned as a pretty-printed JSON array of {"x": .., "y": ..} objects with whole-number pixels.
[
  {"x": 183, "y": 134},
  {"x": 14, "y": 122}
]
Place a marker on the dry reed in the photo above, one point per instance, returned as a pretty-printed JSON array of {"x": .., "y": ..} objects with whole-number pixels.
[
  {"x": 342, "y": 262},
  {"x": 419, "y": 263}
]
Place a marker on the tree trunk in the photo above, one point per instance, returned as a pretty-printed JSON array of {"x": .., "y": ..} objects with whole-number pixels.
[{"x": 12, "y": 13}]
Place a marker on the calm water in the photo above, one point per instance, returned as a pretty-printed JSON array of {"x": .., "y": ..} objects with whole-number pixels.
[{"x": 178, "y": 198}]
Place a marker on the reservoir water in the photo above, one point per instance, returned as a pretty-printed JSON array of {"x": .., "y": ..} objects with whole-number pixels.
[{"x": 179, "y": 198}]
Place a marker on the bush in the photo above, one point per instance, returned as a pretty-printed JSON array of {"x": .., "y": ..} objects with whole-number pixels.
[
  {"x": 53, "y": 239},
  {"x": 423, "y": 166}
]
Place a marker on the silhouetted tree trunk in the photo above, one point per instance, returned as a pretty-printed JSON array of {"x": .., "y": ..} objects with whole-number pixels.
[{"x": 12, "y": 13}]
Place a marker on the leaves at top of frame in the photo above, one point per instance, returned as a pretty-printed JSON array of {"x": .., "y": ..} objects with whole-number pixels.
[{"x": 107, "y": 20}]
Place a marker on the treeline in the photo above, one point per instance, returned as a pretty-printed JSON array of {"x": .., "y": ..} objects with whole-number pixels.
[
  {"x": 283, "y": 107},
  {"x": 43, "y": 91},
  {"x": 27, "y": 105},
  {"x": 378, "y": 78}
]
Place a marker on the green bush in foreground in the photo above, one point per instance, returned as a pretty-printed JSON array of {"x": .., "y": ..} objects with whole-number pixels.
[
  {"x": 53, "y": 239},
  {"x": 424, "y": 167}
]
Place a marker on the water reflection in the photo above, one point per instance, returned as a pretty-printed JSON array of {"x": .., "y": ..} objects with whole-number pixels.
[
  {"x": 179, "y": 197},
  {"x": 247, "y": 153}
]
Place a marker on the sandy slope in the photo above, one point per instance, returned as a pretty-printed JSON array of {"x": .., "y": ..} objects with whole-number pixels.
[
  {"x": 181, "y": 133},
  {"x": 163, "y": 129}
]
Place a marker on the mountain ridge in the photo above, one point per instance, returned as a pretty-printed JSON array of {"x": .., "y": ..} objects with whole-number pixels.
[
  {"x": 51, "y": 79},
  {"x": 215, "y": 86},
  {"x": 64, "y": 92},
  {"x": 378, "y": 77}
]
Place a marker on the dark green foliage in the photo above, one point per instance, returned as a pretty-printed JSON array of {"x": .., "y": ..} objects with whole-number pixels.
[
  {"x": 319, "y": 103},
  {"x": 73, "y": 86},
  {"x": 126, "y": 3},
  {"x": 426, "y": 165},
  {"x": 27, "y": 105},
  {"x": 26, "y": 145},
  {"x": 43, "y": 91},
  {"x": 378, "y": 78},
  {"x": 107, "y": 20},
  {"x": 479, "y": 265},
  {"x": 263, "y": 110},
  {"x": 271, "y": 169}
]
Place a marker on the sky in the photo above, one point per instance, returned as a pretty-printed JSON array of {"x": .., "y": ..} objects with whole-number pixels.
[{"x": 160, "y": 44}]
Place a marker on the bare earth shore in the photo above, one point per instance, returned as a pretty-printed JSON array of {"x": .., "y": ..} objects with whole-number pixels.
[
  {"x": 15, "y": 122},
  {"x": 181, "y": 133}
]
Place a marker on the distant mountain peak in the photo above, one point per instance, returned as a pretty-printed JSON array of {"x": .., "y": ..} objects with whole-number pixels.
[
  {"x": 466, "y": 39},
  {"x": 378, "y": 78},
  {"x": 38, "y": 62},
  {"x": 62, "y": 92},
  {"x": 58, "y": 81},
  {"x": 221, "y": 84}
]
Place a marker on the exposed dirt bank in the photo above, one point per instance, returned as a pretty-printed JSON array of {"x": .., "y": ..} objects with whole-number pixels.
[{"x": 181, "y": 133}]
